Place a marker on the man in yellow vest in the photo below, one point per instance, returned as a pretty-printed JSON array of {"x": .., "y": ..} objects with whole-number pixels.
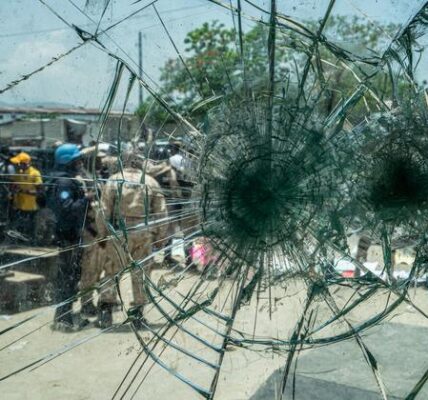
[{"x": 27, "y": 182}]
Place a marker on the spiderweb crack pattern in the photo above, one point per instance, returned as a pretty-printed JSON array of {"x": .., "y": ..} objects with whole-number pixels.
[{"x": 285, "y": 166}]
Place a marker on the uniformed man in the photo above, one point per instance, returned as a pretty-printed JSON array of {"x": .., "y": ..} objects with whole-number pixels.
[
  {"x": 166, "y": 176},
  {"x": 66, "y": 198},
  {"x": 92, "y": 254},
  {"x": 129, "y": 199}
]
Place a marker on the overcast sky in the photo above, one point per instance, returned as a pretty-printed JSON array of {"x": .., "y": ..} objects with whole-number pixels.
[{"x": 32, "y": 34}]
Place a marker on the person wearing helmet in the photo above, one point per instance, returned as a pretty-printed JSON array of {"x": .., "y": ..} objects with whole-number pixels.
[
  {"x": 66, "y": 197},
  {"x": 26, "y": 185}
]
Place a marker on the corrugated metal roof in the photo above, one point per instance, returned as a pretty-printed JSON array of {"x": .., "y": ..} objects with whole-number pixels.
[{"x": 49, "y": 110}]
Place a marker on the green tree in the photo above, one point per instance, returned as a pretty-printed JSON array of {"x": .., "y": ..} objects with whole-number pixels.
[
  {"x": 212, "y": 66},
  {"x": 209, "y": 47},
  {"x": 201, "y": 74}
]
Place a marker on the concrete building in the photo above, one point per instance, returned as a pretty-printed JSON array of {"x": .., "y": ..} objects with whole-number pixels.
[{"x": 40, "y": 126}]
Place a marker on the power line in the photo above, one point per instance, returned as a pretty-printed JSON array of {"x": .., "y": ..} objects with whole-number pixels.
[
  {"x": 6, "y": 35},
  {"x": 140, "y": 65}
]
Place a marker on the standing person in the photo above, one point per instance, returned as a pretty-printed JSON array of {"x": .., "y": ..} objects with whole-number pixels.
[
  {"x": 176, "y": 159},
  {"x": 6, "y": 165},
  {"x": 166, "y": 176},
  {"x": 66, "y": 197},
  {"x": 184, "y": 220},
  {"x": 92, "y": 255},
  {"x": 7, "y": 173},
  {"x": 26, "y": 183},
  {"x": 128, "y": 199}
]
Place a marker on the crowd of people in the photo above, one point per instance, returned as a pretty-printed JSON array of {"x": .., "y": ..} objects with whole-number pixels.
[{"x": 100, "y": 226}]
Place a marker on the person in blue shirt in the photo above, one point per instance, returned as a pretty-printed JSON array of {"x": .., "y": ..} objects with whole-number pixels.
[{"x": 67, "y": 199}]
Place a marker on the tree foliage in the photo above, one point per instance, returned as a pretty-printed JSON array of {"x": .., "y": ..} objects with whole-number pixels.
[{"x": 212, "y": 65}]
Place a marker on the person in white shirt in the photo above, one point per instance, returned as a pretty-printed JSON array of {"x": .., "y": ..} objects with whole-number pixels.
[{"x": 176, "y": 159}]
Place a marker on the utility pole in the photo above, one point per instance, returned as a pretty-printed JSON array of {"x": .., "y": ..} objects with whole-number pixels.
[
  {"x": 42, "y": 133},
  {"x": 140, "y": 65}
]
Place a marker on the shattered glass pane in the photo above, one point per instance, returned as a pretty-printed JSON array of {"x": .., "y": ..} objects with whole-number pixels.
[{"x": 213, "y": 199}]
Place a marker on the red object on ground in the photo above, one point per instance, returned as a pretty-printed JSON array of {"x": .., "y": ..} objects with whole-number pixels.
[
  {"x": 348, "y": 273},
  {"x": 202, "y": 253}
]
